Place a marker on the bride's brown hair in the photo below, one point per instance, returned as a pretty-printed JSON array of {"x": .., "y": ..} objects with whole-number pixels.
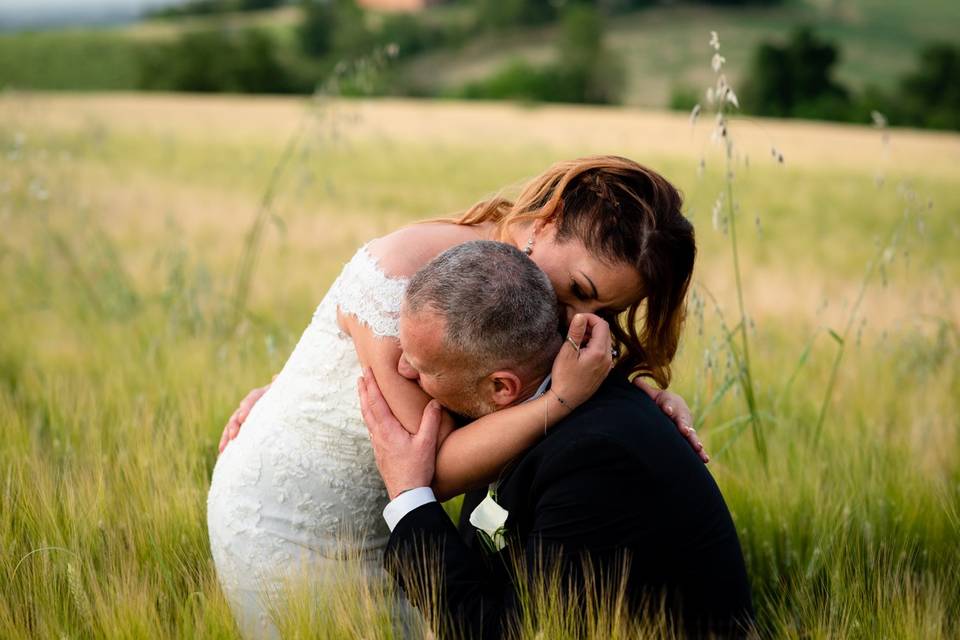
[{"x": 624, "y": 213}]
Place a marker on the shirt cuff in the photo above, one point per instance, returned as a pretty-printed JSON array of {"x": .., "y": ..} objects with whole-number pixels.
[{"x": 405, "y": 503}]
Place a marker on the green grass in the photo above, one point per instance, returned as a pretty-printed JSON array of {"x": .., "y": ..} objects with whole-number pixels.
[{"x": 117, "y": 256}]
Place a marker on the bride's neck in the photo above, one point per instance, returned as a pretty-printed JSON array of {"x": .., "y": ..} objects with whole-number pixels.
[
  {"x": 513, "y": 234},
  {"x": 488, "y": 231}
]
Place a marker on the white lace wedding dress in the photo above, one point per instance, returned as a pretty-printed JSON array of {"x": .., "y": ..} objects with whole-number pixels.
[{"x": 299, "y": 487}]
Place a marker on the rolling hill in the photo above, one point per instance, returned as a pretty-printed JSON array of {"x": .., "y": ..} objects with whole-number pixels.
[{"x": 664, "y": 48}]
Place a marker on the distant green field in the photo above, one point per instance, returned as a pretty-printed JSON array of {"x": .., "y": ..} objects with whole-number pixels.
[
  {"x": 69, "y": 60},
  {"x": 664, "y": 48}
]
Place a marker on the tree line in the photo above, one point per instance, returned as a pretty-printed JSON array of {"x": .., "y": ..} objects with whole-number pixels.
[
  {"x": 793, "y": 78},
  {"x": 796, "y": 80}
]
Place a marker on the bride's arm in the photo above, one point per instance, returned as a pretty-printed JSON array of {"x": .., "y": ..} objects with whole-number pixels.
[
  {"x": 381, "y": 355},
  {"x": 475, "y": 454},
  {"x": 398, "y": 255}
]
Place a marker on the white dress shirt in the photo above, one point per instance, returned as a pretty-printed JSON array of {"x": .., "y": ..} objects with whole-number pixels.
[{"x": 412, "y": 499}]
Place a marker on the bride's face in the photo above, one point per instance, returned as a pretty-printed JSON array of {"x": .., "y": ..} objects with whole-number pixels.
[{"x": 584, "y": 283}]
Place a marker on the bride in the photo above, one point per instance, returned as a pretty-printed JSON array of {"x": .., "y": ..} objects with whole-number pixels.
[{"x": 609, "y": 234}]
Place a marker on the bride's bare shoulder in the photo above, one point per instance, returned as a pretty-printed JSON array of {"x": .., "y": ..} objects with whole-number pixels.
[{"x": 402, "y": 252}]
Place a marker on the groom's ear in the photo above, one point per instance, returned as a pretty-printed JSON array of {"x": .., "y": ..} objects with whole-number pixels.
[{"x": 505, "y": 388}]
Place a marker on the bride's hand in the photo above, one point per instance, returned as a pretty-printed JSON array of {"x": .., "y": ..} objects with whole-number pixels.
[
  {"x": 677, "y": 410},
  {"x": 584, "y": 360},
  {"x": 232, "y": 428}
]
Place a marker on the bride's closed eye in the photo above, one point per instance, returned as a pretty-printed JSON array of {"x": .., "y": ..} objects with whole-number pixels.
[{"x": 578, "y": 291}]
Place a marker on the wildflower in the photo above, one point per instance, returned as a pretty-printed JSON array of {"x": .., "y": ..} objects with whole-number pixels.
[
  {"x": 714, "y": 41},
  {"x": 776, "y": 155},
  {"x": 732, "y": 98},
  {"x": 720, "y": 129},
  {"x": 879, "y": 120},
  {"x": 717, "y": 62},
  {"x": 717, "y": 215},
  {"x": 393, "y": 50},
  {"x": 694, "y": 114}
]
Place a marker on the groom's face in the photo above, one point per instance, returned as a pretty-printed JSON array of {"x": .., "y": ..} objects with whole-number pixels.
[{"x": 442, "y": 374}]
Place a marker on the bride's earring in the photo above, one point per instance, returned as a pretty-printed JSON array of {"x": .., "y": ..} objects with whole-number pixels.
[{"x": 529, "y": 248}]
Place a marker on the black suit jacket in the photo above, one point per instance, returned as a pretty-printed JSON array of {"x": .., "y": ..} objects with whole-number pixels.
[{"x": 614, "y": 478}]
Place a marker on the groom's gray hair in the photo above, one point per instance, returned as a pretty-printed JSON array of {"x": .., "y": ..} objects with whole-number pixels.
[{"x": 500, "y": 308}]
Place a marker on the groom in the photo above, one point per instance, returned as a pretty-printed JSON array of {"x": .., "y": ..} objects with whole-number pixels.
[{"x": 613, "y": 482}]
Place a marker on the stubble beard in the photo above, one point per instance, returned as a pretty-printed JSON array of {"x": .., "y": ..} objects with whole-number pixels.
[{"x": 470, "y": 405}]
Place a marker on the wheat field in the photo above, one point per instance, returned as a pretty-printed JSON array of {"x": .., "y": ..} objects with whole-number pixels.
[{"x": 160, "y": 256}]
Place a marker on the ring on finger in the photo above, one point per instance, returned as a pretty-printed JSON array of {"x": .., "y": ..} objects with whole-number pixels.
[{"x": 573, "y": 344}]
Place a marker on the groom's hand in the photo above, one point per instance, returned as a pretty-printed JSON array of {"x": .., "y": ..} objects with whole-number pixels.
[
  {"x": 405, "y": 461},
  {"x": 232, "y": 428}
]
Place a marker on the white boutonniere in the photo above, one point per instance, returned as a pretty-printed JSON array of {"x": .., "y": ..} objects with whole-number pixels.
[{"x": 490, "y": 519}]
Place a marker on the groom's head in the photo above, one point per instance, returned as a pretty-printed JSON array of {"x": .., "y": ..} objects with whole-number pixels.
[{"x": 479, "y": 327}]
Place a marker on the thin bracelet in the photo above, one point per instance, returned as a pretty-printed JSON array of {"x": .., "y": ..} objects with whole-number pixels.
[
  {"x": 559, "y": 399},
  {"x": 545, "y": 414}
]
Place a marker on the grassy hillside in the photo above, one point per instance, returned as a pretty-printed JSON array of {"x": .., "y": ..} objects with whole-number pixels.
[
  {"x": 125, "y": 218},
  {"x": 69, "y": 60},
  {"x": 109, "y": 58},
  {"x": 664, "y": 47}
]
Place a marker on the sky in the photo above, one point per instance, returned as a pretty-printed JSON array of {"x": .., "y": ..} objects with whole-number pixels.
[{"x": 20, "y": 14}]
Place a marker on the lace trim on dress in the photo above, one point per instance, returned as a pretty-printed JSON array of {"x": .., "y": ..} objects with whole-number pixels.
[{"x": 364, "y": 291}]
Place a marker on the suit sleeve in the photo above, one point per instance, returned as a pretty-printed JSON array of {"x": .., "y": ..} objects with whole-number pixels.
[
  {"x": 569, "y": 518},
  {"x": 454, "y": 589}
]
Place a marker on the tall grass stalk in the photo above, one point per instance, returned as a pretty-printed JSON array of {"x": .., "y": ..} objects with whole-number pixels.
[
  {"x": 744, "y": 369},
  {"x": 882, "y": 256},
  {"x": 357, "y": 75},
  {"x": 721, "y": 96},
  {"x": 254, "y": 238}
]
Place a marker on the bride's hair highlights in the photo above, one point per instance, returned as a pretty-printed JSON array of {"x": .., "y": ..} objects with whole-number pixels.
[{"x": 622, "y": 212}]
